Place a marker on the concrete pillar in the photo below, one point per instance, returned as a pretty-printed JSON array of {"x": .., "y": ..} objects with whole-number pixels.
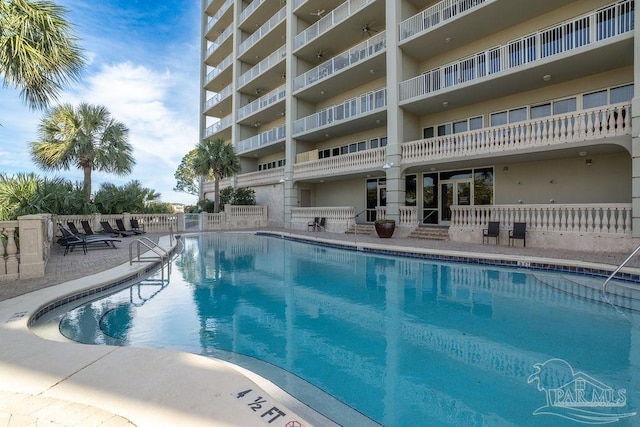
[
  {"x": 289, "y": 190},
  {"x": 35, "y": 231}
]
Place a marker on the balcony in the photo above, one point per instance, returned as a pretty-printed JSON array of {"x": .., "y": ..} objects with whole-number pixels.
[
  {"x": 220, "y": 20},
  {"x": 339, "y": 28},
  {"x": 263, "y": 104},
  {"x": 266, "y": 34},
  {"x": 217, "y": 100},
  {"x": 450, "y": 24},
  {"x": 347, "y": 164},
  {"x": 264, "y": 177},
  {"x": 262, "y": 67},
  {"x": 353, "y": 115},
  {"x": 355, "y": 65},
  {"x": 221, "y": 73},
  {"x": 592, "y": 43},
  {"x": 263, "y": 140},
  {"x": 221, "y": 46},
  {"x": 610, "y": 124},
  {"x": 218, "y": 127}
]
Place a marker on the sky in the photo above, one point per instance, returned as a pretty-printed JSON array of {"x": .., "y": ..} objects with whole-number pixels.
[{"x": 143, "y": 61}]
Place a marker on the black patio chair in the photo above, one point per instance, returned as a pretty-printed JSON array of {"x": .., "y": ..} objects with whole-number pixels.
[
  {"x": 519, "y": 232},
  {"x": 72, "y": 226},
  {"x": 492, "y": 230},
  {"x": 122, "y": 228},
  {"x": 70, "y": 240},
  {"x": 322, "y": 224},
  {"x": 107, "y": 227},
  {"x": 313, "y": 225},
  {"x": 136, "y": 226}
]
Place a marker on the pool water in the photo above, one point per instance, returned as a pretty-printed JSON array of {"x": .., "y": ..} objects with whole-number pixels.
[{"x": 403, "y": 341}]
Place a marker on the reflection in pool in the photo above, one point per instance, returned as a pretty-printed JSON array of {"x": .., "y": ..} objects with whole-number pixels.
[{"x": 404, "y": 341}]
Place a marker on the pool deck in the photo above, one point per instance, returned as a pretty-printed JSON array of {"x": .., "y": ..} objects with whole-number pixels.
[{"x": 55, "y": 382}]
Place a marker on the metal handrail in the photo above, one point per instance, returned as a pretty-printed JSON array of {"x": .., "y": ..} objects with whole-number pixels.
[
  {"x": 604, "y": 285},
  {"x": 153, "y": 246}
]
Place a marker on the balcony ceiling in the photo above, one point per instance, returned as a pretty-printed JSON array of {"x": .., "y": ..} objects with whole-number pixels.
[
  {"x": 344, "y": 35},
  {"x": 221, "y": 52},
  {"x": 220, "y": 81},
  {"x": 308, "y": 10},
  {"x": 261, "y": 15},
  {"x": 224, "y": 134},
  {"x": 471, "y": 26},
  {"x": 586, "y": 61},
  {"x": 221, "y": 109},
  {"x": 264, "y": 46},
  {"x": 267, "y": 81},
  {"x": 357, "y": 75},
  {"x": 346, "y": 127},
  {"x": 220, "y": 25},
  {"x": 213, "y": 7}
]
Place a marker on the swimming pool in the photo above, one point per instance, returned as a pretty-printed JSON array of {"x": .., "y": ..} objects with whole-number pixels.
[{"x": 403, "y": 341}]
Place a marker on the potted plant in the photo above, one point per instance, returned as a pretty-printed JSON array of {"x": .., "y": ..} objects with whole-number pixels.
[{"x": 385, "y": 227}]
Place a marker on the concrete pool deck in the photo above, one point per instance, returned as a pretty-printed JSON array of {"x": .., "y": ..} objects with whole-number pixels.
[{"x": 62, "y": 383}]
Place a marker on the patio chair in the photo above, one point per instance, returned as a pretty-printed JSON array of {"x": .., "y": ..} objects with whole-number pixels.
[
  {"x": 136, "y": 226},
  {"x": 313, "y": 225},
  {"x": 72, "y": 226},
  {"x": 492, "y": 230},
  {"x": 321, "y": 226},
  {"x": 70, "y": 240},
  {"x": 519, "y": 232},
  {"x": 86, "y": 227},
  {"x": 121, "y": 227},
  {"x": 107, "y": 227}
]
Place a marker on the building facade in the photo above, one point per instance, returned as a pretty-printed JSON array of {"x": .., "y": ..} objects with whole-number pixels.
[{"x": 432, "y": 113}]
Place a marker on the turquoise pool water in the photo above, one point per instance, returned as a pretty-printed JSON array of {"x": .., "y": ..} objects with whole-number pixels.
[{"x": 403, "y": 341}]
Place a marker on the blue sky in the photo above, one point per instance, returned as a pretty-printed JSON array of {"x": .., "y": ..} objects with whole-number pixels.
[{"x": 143, "y": 65}]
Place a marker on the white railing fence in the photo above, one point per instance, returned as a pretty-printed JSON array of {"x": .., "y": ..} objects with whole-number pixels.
[
  {"x": 338, "y": 218},
  {"x": 359, "y": 161}
]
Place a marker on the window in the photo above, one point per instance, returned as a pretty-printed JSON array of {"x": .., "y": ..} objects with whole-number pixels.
[
  {"x": 621, "y": 94},
  {"x": 410, "y": 188},
  {"x": 459, "y": 127},
  {"x": 594, "y": 99},
  {"x": 483, "y": 186},
  {"x": 542, "y": 110},
  {"x": 428, "y": 132},
  {"x": 476, "y": 123},
  {"x": 499, "y": 119},
  {"x": 564, "y": 106},
  {"x": 444, "y": 129},
  {"x": 373, "y": 143},
  {"x": 518, "y": 115},
  {"x": 383, "y": 141},
  {"x": 362, "y": 145}
]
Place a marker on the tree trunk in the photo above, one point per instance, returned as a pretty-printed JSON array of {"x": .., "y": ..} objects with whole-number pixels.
[
  {"x": 87, "y": 183},
  {"x": 216, "y": 197}
]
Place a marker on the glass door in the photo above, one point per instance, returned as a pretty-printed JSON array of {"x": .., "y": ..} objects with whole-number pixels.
[{"x": 453, "y": 192}]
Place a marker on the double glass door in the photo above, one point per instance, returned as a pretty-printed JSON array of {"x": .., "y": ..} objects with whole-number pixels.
[{"x": 454, "y": 192}]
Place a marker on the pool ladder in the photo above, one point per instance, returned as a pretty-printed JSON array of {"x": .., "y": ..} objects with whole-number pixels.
[
  {"x": 163, "y": 256},
  {"x": 612, "y": 275}
]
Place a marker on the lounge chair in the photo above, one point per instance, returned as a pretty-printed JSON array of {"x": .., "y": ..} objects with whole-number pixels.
[
  {"x": 519, "y": 232},
  {"x": 313, "y": 225},
  {"x": 70, "y": 240},
  {"x": 72, "y": 226},
  {"x": 86, "y": 227},
  {"x": 321, "y": 225},
  {"x": 122, "y": 228},
  {"x": 492, "y": 230},
  {"x": 136, "y": 226},
  {"x": 107, "y": 227}
]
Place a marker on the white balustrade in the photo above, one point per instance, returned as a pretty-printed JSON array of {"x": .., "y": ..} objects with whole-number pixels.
[
  {"x": 215, "y": 45},
  {"x": 259, "y": 178},
  {"x": 218, "y": 97},
  {"x": 591, "y": 124},
  {"x": 272, "y": 136},
  {"x": 9, "y": 253},
  {"x": 247, "y": 11},
  {"x": 570, "y": 35},
  {"x": 358, "y": 161},
  {"x": 212, "y": 20},
  {"x": 337, "y": 217}
]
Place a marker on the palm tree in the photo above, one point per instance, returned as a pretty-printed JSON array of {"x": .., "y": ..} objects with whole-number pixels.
[
  {"x": 38, "y": 52},
  {"x": 87, "y": 138},
  {"x": 216, "y": 159}
]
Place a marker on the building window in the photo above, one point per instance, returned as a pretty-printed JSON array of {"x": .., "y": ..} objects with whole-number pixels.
[
  {"x": 428, "y": 132},
  {"x": 483, "y": 186},
  {"x": 410, "y": 190}
]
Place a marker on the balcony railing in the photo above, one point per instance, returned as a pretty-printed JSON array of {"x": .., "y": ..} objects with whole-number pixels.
[
  {"x": 263, "y": 66},
  {"x": 360, "y": 160},
  {"x": 329, "y": 21},
  {"x": 596, "y": 123},
  {"x": 349, "y": 109},
  {"x": 435, "y": 15},
  {"x": 263, "y": 102},
  {"x": 249, "y": 10},
  {"x": 218, "y": 126},
  {"x": 572, "y": 218},
  {"x": 219, "y": 13},
  {"x": 215, "y": 99},
  {"x": 272, "y": 136},
  {"x": 263, "y": 30},
  {"x": 263, "y": 177},
  {"x": 226, "y": 62},
  {"x": 364, "y": 50},
  {"x": 570, "y": 35},
  {"x": 221, "y": 39}
]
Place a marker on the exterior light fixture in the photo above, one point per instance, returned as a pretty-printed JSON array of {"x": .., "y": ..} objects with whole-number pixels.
[
  {"x": 582, "y": 153},
  {"x": 546, "y": 77},
  {"x": 587, "y": 162},
  {"x": 445, "y": 104}
]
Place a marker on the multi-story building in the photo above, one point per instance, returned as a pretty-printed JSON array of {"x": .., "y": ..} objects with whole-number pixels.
[{"x": 433, "y": 113}]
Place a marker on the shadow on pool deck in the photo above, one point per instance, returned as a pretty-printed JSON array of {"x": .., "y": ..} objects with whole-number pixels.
[{"x": 27, "y": 404}]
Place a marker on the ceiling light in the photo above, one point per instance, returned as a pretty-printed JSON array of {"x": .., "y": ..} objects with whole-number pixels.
[{"x": 546, "y": 77}]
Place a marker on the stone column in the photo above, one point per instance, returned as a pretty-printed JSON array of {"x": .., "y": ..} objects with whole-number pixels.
[{"x": 32, "y": 244}]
